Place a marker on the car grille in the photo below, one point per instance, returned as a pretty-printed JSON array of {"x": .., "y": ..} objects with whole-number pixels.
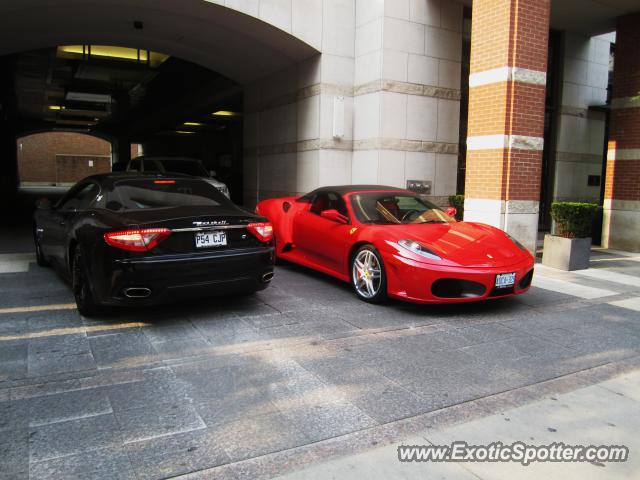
[{"x": 457, "y": 288}]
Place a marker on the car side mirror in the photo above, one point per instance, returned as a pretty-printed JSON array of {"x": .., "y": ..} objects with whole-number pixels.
[
  {"x": 334, "y": 216},
  {"x": 451, "y": 211},
  {"x": 212, "y": 173},
  {"x": 43, "y": 204}
]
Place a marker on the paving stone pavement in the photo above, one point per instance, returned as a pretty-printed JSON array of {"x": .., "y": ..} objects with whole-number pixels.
[
  {"x": 251, "y": 387},
  {"x": 592, "y": 415}
]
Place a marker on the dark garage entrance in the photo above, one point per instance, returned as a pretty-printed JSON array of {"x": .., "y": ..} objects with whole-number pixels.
[{"x": 150, "y": 73}]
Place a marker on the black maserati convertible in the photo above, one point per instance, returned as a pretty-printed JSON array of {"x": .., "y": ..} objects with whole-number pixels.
[{"x": 131, "y": 239}]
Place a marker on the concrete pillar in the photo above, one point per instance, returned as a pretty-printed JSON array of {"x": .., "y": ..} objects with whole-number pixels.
[
  {"x": 298, "y": 123},
  {"x": 121, "y": 150},
  {"x": 621, "y": 226},
  {"x": 509, "y": 42},
  {"x": 8, "y": 161},
  {"x": 380, "y": 105},
  {"x": 581, "y": 131},
  {"x": 407, "y": 93}
]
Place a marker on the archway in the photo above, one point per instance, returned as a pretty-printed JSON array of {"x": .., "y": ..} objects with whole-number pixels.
[
  {"x": 236, "y": 47},
  {"x": 60, "y": 158},
  {"x": 232, "y": 43}
]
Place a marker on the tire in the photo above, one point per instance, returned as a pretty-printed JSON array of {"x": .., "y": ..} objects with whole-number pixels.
[
  {"x": 368, "y": 276},
  {"x": 247, "y": 293},
  {"x": 81, "y": 286},
  {"x": 40, "y": 259}
]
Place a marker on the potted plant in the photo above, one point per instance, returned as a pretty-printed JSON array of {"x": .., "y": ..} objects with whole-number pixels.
[
  {"x": 569, "y": 246},
  {"x": 457, "y": 202}
]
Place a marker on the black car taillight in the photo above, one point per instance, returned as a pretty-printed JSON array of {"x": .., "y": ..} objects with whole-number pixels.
[
  {"x": 137, "y": 240},
  {"x": 262, "y": 231}
]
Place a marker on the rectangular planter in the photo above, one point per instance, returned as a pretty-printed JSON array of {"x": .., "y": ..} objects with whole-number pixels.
[{"x": 566, "y": 253}]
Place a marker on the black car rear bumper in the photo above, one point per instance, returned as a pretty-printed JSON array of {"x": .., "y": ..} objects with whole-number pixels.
[{"x": 154, "y": 280}]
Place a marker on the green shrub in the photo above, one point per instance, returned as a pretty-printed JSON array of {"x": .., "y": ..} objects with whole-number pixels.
[
  {"x": 573, "y": 220},
  {"x": 457, "y": 201}
]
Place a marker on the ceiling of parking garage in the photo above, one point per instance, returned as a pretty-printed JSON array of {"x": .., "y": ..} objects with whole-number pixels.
[
  {"x": 199, "y": 37},
  {"x": 589, "y": 17},
  {"x": 117, "y": 93},
  {"x": 239, "y": 46}
]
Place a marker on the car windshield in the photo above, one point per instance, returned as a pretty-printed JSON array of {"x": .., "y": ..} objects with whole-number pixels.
[
  {"x": 390, "y": 208},
  {"x": 138, "y": 194},
  {"x": 188, "y": 167}
]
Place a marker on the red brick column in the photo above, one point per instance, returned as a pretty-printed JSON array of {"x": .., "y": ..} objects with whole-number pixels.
[
  {"x": 621, "y": 228},
  {"x": 509, "y": 42}
]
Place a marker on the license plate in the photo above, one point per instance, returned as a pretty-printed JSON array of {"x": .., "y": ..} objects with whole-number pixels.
[
  {"x": 211, "y": 239},
  {"x": 505, "y": 280}
]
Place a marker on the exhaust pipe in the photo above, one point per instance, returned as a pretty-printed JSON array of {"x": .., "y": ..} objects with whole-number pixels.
[
  {"x": 137, "y": 292},
  {"x": 267, "y": 277}
]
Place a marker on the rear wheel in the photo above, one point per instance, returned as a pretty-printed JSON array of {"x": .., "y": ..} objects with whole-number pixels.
[
  {"x": 367, "y": 275},
  {"x": 40, "y": 259},
  {"x": 82, "y": 287}
]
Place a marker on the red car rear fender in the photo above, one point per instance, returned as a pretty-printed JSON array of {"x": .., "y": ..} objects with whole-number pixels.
[{"x": 280, "y": 216}]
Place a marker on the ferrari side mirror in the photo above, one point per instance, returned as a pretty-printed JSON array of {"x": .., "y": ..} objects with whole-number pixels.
[
  {"x": 334, "y": 216},
  {"x": 451, "y": 211}
]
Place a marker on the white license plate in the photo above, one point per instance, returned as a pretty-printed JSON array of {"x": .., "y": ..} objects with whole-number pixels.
[
  {"x": 505, "y": 280},
  {"x": 211, "y": 239}
]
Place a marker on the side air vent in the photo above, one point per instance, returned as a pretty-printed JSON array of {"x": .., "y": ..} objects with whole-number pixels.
[{"x": 526, "y": 280}]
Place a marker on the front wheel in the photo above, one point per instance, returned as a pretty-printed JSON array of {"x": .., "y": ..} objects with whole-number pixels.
[
  {"x": 82, "y": 287},
  {"x": 40, "y": 259},
  {"x": 368, "y": 276}
]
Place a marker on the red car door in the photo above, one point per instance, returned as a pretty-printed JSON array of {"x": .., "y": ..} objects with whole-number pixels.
[{"x": 322, "y": 241}]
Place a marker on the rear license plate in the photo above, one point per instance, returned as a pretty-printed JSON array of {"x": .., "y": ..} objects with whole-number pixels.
[
  {"x": 211, "y": 239},
  {"x": 505, "y": 280}
]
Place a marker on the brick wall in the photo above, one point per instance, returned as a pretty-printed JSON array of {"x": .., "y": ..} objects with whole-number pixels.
[
  {"x": 626, "y": 75},
  {"x": 623, "y": 166},
  {"x": 509, "y": 43},
  {"x": 507, "y": 34},
  {"x": 505, "y": 107},
  {"x": 503, "y": 174},
  {"x": 49, "y": 157},
  {"x": 71, "y": 168}
]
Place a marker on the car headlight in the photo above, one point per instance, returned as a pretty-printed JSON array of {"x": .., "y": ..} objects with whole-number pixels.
[
  {"x": 518, "y": 244},
  {"x": 418, "y": 249}
]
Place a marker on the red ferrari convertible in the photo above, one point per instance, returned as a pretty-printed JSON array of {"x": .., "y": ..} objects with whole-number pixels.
[{"x": 390, "y": 242}]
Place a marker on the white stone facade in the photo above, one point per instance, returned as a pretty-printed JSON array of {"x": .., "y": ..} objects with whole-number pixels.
[
  {"x": 581, "y": 131},
  {"x": 620, "y": 224},
  {"x": 392, "y": 68}
]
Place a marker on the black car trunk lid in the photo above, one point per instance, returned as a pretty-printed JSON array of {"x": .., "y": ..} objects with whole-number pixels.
[{"x": 228, "y": 225}]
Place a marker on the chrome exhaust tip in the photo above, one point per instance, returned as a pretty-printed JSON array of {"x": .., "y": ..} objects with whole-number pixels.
[
  {"x": 137, "y": 292},
  {"x": 267, "y": 277}
]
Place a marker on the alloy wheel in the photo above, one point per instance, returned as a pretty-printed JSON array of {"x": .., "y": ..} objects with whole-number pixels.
[
  {"x": 81, "y": 287},
  {"x": 367, "y": 274},
  {"x": 39, "y": 255}
]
